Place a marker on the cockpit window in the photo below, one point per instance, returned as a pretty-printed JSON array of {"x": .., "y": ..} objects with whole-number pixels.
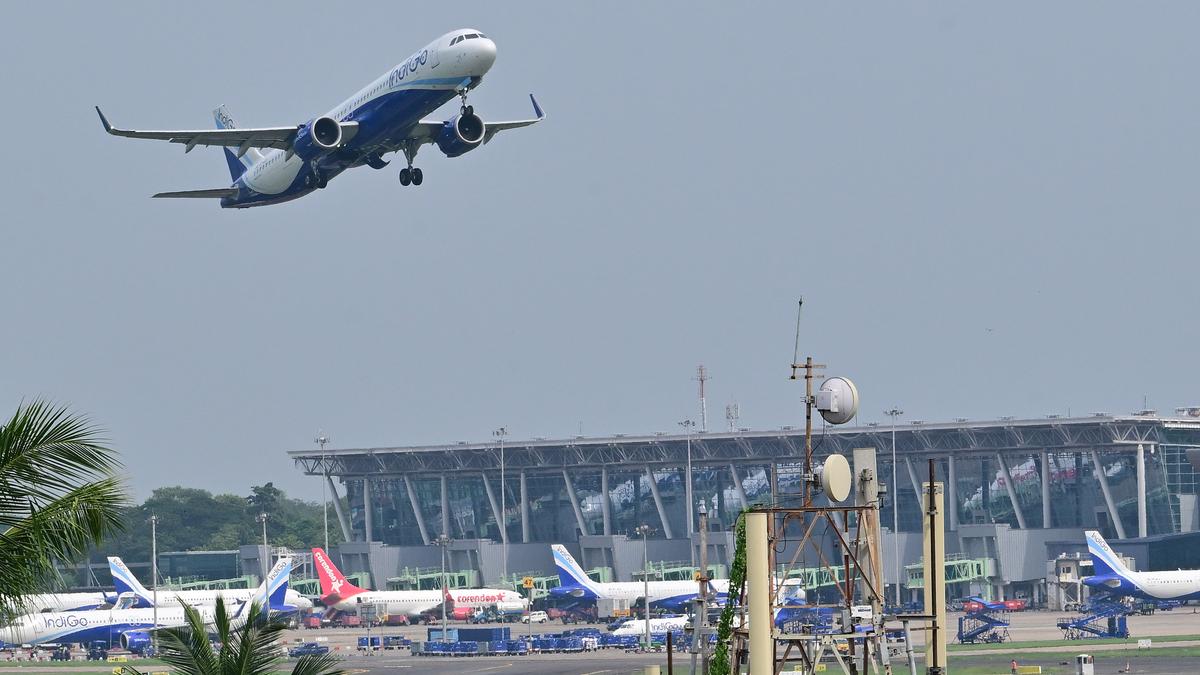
[
  {"x": 456, "y": 41},
  {"x": 472, "y": 36}
]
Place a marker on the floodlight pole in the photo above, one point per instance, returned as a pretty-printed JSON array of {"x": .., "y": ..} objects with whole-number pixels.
[
  {"x": 687, "y": 429},
  {"x": 321, "y": 440},
  {"x": 645, "y": 530},
  {"x": 154, "y": 575},
  {"x": 894, "y": 413},
  {"x": 262, "y": 518},
  {"x": 501, "y": 433},
  {"x": 444, "y": 541}
]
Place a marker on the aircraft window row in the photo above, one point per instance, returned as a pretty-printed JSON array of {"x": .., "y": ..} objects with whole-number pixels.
[{"x": 468, "y": 36}]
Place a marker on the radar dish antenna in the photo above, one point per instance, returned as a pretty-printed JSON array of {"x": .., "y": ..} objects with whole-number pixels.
[
  {"x": 835, "y": 478},
  {"x": 837, "y": 399}
]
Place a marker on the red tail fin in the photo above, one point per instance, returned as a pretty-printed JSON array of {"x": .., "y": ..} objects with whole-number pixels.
[{"x": 333, "y": 584}]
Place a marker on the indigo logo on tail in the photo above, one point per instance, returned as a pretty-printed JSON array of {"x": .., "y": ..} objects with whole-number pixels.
[{"x": 569, "y": 571}]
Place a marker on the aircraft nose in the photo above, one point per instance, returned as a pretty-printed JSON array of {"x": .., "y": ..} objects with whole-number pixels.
[{"x": 484, "y": 52}]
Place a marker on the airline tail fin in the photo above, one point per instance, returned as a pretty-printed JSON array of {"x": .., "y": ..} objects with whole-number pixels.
[
  {"x": 1104, "y": 560},
  {"x": 126, "y": 583},
  {"x": 271, "y": 592},
  {"x": 333, "y": 583},
  {"x": 246, "y": 157},
  {"x": 570, "y": 574}
]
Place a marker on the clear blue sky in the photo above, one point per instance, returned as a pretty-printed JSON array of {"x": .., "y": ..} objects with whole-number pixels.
[{"x": 991, "y": 210}]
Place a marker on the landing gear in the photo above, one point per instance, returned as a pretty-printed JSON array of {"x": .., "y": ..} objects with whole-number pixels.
[
  {"x": 465, "y": 109},
  {"x": 410, "y": 175}
]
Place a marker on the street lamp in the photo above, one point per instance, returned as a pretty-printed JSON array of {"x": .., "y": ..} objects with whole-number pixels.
[
  {"x": 645, "y": 530},
  {"x": 500, "y": 434},
  {"x": 700, "y": 618},
  {"x": 262, "y": 518},
  {"x": 321, "y": 440},
  {"x": 154, "y": 574},
  {"x": 687, "y": 429},
  {"x": 894, "y": 413},
  {"x": 443, "y": 541}
]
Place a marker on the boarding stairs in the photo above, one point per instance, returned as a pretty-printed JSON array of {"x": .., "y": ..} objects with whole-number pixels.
[
  {"x": 1105, "y": 620},
  {"x": 974, "y": 627}
]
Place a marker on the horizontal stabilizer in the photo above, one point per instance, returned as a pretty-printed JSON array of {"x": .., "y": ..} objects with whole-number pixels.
[{"x": 215, "y": 193}]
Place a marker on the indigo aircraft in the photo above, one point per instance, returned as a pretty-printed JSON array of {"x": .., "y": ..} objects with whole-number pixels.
[
  {"x": 129, "y": 586},
  {"x": 573, "y": 582},
  {"x": 1113, "y": 577},
  {"x": 337, "y": 592},
  {"x": 131, "y": 628},
  {"x": 269, "y": 165}
]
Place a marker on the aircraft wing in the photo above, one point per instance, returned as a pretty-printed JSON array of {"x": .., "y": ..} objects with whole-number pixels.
[
  {"x": 243, "y": 139},
  {"x": 426, "y": 131}
]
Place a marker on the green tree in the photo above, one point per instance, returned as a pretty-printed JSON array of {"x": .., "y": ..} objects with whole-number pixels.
[
  {"x": 246, "y": 647},
  {"x": 264, "y": 497},
  {"x": 59, "y": 496}
]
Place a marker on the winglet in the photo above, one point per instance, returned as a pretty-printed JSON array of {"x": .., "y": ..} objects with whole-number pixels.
[
  {"x": 103, "y": 120},
  {"x": 536, "y": 108}
]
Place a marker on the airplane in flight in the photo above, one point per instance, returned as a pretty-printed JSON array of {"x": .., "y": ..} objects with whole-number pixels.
[
  {"x": 131, "y": 628},
  {"x": 269, "y": 165},
  {"x": 339, "y": 593},
  {"x": 1114, "y": 578},
  {"x": 128, "y": 584},
  {"x": 575, "y": 583}
]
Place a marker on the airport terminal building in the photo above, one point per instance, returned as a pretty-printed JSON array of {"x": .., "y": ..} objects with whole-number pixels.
[{"x": 1022, "y": 491}]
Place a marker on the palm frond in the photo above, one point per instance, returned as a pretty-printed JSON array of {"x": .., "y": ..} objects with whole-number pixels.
[
  {"x": 314, "y": 664},
  {"x": 187, "y": 649}
]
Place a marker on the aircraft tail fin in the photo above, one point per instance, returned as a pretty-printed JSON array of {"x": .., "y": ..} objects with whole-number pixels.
[
  {"x": 271, "y": 592},
  {"x": 245, "y": 157},
  {"x": 1104, "y": 560},
  {"x": 126, "y": 583},
  {"x": 334, "y": 584},
  {"x": 570, "y": 574}
]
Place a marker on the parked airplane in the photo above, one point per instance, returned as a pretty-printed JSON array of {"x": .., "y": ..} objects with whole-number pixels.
[
  {"x": 339, "y": 593},
  {"x": 666, "y": 624},
  {"x": 385, "y": 116},
  {"x": 575, "y": 583},
  {"x": 127, "y": 583},
  {"x": 131, "y": 628},
  {"x": 1114, "y": 578},
  {"x": 67, "y": 602}
]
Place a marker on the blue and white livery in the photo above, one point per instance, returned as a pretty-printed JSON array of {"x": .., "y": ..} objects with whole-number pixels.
[
  {"x": 269, "y": 165},
  {"x": 128, "y": 585},
  {"x": 131, "y": 628},
  {"x": 1114, "y": 578},
  {"x": 573, "y": 582}
]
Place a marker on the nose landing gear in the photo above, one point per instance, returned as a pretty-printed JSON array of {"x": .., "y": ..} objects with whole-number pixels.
[{"x": 410, "y": 175}]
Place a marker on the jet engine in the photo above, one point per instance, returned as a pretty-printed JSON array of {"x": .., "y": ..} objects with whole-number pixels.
[
  {"x": 461, "y": 134},
  {"x": 317, "y": 137},
  {"x": 135, "y": 640}
]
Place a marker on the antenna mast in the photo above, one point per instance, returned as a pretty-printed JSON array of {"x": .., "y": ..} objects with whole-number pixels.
[
  {"x": 809, "y": 367},
  {"x": 702, "y": 377}
]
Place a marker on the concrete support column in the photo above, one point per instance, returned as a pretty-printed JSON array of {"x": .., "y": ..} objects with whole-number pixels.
[
  {"x": 1143, "y": 529},
  {"x": 412, "y": 499},
  {"x": 524, "y": 511},
  {"x": 1011, "y": 490},
  {"x": 605, "y": 505},
  {"x": 658, "y": 503},
  {"x": 445, "y": 506},
  {"x": 1115, "y": 515},
  {"x": 574, "y": 503},
  {"x": 737, "y": 483},
  {"x": 343, "y": 521},
  {"x": 1047, "y": 519},
  {"x": 487, "y": 485},
  {"x": 758, "y": 590},
  {"x": 952, "y": 493},
  {"x": 368, "y": 512}
]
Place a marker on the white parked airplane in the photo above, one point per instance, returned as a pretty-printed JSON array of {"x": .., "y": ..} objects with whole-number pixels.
[
  {"x": 666, "y": 624},
  {"x": 128, "y": 584},
  {"x": 1113, "y": 577},
  {"x": 573, "y": 582},
  {"x": 339, "y": 593},
  {"x": 277, "y": 164},
  {"x": 66, "y": 602}
]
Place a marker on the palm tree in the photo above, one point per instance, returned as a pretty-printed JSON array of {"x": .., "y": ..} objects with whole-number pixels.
[
  {"x": 247, "y": 647},
  {"x": 58, "y": 497}
]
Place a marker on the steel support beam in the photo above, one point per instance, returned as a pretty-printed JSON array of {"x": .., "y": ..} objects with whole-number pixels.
[
  {"x": 343, "y": 521},
  {"x": 951, "y": 493},
  {"x": 524, "y": 510},
  {"x": 412, "y": 499},
  {"x": 658, "y": 503},
  {"x": 487, "y": 485},
  {"x": 1047, "y": 515},
  {"x": 916, "y": 484},
  {"x": 605, "y": 506},
  {"x": 445, "y": 506},
  {"x": 574, "y": 503},
  {"x": 1143, "y": 529},
  {"x": 368, "y": 512},
  {"x": 1012, "y": 491},
  {"x": 737, "y": 483},
  {"x": 1098, "y": 468}
]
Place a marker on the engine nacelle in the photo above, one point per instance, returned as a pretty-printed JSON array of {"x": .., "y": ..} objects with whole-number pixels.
[
  {"x": 461, "y": 134},
  {"x": 135, "y": 641},
  {"x": 318, "y": 137}
]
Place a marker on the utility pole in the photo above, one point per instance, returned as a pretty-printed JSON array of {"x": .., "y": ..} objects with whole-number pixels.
[
  {"x": 894, "y": 413},
  {"x": 501, "y": 433},
  {"x": 321, "y": 440},
  {"x": 687, "y": 429},
  {"x": 154, "y": 575},
  {"x": 645, "y": 530},
  {"x": 262, "y": 518}
]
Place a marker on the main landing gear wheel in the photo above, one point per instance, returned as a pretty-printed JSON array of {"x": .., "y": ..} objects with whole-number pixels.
[
  {"x": 405, "y": 177},
  {"x": 417, "y": 177}
]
